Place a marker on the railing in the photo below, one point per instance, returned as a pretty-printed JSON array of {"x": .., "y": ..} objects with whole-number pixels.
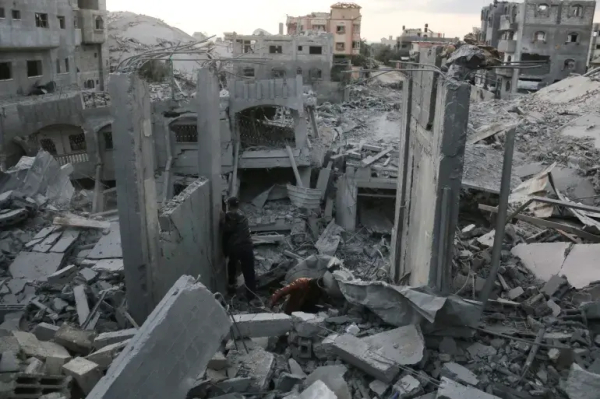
[{"x": 72, "y": 158}]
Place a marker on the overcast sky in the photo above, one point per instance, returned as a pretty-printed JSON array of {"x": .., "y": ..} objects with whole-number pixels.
[{"x": 381, "y": 18}]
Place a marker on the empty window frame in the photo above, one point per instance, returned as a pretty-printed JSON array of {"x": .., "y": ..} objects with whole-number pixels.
[
  {"x": 572, "y": 38},
  {"x": 275, "y": 50},
  {"x": 34, "y": 68},
  {"x": 277, "y": 73},
  {"x": 540, "y": 36},
  {"x": 340, "y": 29},
  {"x": 355, "y": 45},
  {"x": 577, "y": 10},
  {"x": 543, "y": 8},
  {"x": 315, "y": 50},
  {"x": 48, "y": 146},
  {"x": 77, "y": 142},
  {"x": 67, "y": 65},
  {"x": 2, "y": 12},
  {"x": 356, "y": 28},
  {"x": 89, "y": 84},
  {"x": 58, "y": 65},
  {"x": 41, "y": 20},
  {"x": 315, "y": 74},
  {"x": 75, "y": 22},
  {"x": 299, "y": 48},
  {"x": 248, "y": 72},
  {"x": 5, "y": 71},
  {"x": 16, "y": 15},
  {"x": 298, "y": 71},
  {"x": 507, "y": 86},
  {"x": 99, "y": 23},
  {"x": 61, "y": 22},
  {"x": 108, "y": 140},
  {"x": 569, "y": 65},
  {"x": 340, "y": 46}
]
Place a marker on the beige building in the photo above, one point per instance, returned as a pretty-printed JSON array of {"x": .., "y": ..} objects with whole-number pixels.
[{"x": 343, "y": 21}]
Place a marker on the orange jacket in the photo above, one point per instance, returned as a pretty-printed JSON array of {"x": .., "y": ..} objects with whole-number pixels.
[{"x": 298, "y": 288}]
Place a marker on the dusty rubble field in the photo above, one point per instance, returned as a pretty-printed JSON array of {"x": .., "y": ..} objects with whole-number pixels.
[{"x": 65, "y": 319}]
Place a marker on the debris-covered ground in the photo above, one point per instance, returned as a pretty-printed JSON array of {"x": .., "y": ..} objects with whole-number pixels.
[{"x": 66, "y": 320}]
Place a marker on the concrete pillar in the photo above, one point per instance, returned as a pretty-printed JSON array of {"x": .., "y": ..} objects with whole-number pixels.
[
  {"x": 209, "y": 163},
  {"x": 136, "y": 190},
  {"x": 346, "y": 201},
  {"x": 281, "y": 28},
  {"x": 300, "y": 129}
]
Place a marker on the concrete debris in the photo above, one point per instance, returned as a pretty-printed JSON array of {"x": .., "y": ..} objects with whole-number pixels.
[
  {"x": 261, "y": 325},
  {"x": 318, "y": 390},
  {"x": 333, "y": 378},
  {"x": 408, "y": 387},
  {"x": 459, "y": 373},
  {"x": 452, "y": 390},
  {"x": 404, "y": 345},
  {"x": 86, "y": 373}
]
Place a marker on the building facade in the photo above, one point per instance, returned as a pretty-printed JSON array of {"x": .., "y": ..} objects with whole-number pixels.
[
  {"x": 283, "y": 56},
  {"x": 412, "y": 40},
  {"x": 52, "y": 43},
  {"x": 594, "y": 57},
  {"x": 343, "y": 22},
  {"x": 552, "y": 33}
]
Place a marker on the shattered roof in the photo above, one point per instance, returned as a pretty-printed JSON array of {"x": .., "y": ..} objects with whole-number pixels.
[{"x": 346, "y": 5}]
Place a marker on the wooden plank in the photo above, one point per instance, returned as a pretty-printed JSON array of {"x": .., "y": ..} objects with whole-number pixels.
[
  {"x": 571, "y": 205},
  {"x": 489, "y": 131},
  {"x": 548, "y": 224},
  {"x": 373, "y": 158},
  {"x": 77, "y": 221},
  {"x": 294, "y": 167}
]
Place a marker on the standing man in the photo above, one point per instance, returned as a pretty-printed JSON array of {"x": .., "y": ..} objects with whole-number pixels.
[{"x": 237, "y": 245}]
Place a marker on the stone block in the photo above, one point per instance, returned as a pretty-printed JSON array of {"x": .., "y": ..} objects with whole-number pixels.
[
  {"x": 261, "y": 325},
  {"x": 478, "y": 350},
  {"x": 452, "y": 390},
  {"x": 515, "y": 293},
  {"x": 408, "y": 387},
  {"x": 582, "y": 384},
  {"x": 114, "y": 337},
  {"x": 34, "y": 367},
  {"x": 324, "y": 349},
  {"x": 56, "y": 357},
  {"x": 105, "y": 356},
  {"x": 29, "y": 344},
  {"x": 404, "y": 345},
  {"x": 172, "y": 347},
  {"x": 318, "y": 390},
  {"x": 258, "y": 365},
  {"x": 333, "y": 377},
  {"x": 286, "y": 382},
  {"x": 74, "y": 339},
  {"x": 9, "y": 363},
  {"x": 45, "y": 331},
  {"x": 305, "y": 348},
  {"x": 458, "y": 373},
  {"x": 9, "y": 343},
  {"x": 358, "y": 353},
  {"x": 63, "y": 275},
  {"x": 553, "y": 285},
  {"x": 295, "y": 368},
  {"x": 87, "y": 374},
  {"x": 308, "y": 325},
  {"x": 218, "y": 362},
  {"x": 379, "y": 387}
]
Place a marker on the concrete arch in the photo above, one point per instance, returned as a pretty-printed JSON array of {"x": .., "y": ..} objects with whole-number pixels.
[{"x": 268, "y": 92}]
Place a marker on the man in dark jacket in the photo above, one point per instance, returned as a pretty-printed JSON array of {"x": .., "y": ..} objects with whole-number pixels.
[{"x": 237, "y": 245}]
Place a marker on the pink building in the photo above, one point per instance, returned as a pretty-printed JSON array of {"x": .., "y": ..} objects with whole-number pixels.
[{"x": 343, "y": 21}]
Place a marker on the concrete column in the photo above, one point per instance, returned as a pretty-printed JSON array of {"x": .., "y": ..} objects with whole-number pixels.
[
  {"x": 136, "y": 190},
  {"x": 209, "y": 163},
  {"x": 300, "y": 129},
  {"x": 346, "y": 201}
]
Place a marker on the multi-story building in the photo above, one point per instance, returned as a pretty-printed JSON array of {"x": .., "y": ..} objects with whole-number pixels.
[
  {"x": 53, "y": 43},
  {"x": 556, "y": 34},
  {"x": 283, "y": 56},
  {"x": 412, "y": 41},
  {"x": 594, "y": 58},
  {"x": 343, "y": 22}
]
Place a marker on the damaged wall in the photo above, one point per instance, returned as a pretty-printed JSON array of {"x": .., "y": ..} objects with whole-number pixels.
[
  {"x": 185, "y": 236},
  {"x": 432, "y": 145}
]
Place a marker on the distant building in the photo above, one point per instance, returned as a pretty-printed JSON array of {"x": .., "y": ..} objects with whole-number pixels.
[
  {"x": 552, "y": 32},
  {"x": 413, "y": 40},
  {"x": 594, "y": 58},
  {"x": 343, "y": 22}
]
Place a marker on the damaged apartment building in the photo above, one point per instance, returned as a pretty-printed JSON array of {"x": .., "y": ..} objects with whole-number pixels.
[
  {"x": 50, "y": 50},
  {"x": 552, "y": 37}
]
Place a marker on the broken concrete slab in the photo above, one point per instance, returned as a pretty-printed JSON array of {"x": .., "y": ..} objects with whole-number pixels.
[
  {"x": 478, "y": 350},
  {"x": 515, "y": 293},
  {"x": 582, "y": 384},
  {"x": 379, "y": 387},
  {"x": 404, "y": 345},
  {"x": 580, "y": 267},
  {"x": 544, "y": 260},
  {"x": 74, "y": 339},
  {"x": 86, "y": 373},
  {"x": 458, "y": 373},
  {"x": 109, "y": 266},
  {"x": 261, "y": 325},
  {"x": 9, "y": 362},
  {"x": 333, "y": 377},
  {"x": 48, "y": 242},
  {"x": 358, "y": 353},
  {"x": 114, "y": 337},
  {"x": 318, "y": 390},
  {"x": 286, "y": 382},
  {"x": 29, "y": 344},
  {"x": 295, "y": 368},
  {"x": 452, "y": 390},
  {"x": 63, "y": 275},
  {"x": 56, "y": 357},
  {"x": 105, "y": 356},
  {"x": 553, "y": 285},
  {"x": 308, "y": 325},
  {"x": 81, "y": 303},
  {"x": 35, "y": 266},
  {"x": 202, "y": 324},
  {"x": 258, "y": 364},
  {"x": 66, "y": 240},
  {"x": 408, "y": 387},
  {"x": 109, "y": 245},
  {"x": 45, "y": 331}
]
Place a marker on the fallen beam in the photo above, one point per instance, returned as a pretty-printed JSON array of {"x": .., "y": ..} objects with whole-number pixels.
[
  {"x": 547, "y": 223},
  {"x": 256, "y": 325},
  {"x": 374, "y": 158}
]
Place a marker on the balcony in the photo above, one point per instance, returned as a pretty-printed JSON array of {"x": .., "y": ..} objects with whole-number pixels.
[
  {"x": 93, "y": 26},
  {"x": 507, "y": 46},
  {"x": 32, "y": 38},
  {"x": 506, "y": 24}
]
